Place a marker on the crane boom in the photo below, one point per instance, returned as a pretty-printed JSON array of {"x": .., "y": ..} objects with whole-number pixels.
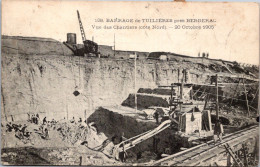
[{"x": 81, "y": 28}]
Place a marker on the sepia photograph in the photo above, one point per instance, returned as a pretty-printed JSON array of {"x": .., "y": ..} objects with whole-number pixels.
[{"x": 99, "y": 83}]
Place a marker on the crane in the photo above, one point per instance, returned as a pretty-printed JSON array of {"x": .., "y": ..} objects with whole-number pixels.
[
  {"x": 89, "y": 47},
  {"x": 81, "y": 28}
]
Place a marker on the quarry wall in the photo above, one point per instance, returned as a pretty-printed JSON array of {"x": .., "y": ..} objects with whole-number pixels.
[{"x": 43, "y": 76}]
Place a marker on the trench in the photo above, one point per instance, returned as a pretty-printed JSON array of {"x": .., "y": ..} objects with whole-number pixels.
[{"x": 115, "y": 125}]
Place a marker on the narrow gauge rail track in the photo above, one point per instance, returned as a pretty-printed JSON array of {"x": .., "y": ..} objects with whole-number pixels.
[{"x": 200, "y": 154}]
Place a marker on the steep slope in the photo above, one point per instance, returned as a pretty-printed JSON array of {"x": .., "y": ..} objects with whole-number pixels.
[{"x": 40, "y": 76}]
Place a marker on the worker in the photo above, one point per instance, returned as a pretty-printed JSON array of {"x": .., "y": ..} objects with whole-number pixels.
[
  {"x": 73, "y": 120},
  {"x": 218, "y": 131},
  {"x": 44, "y": 121},
  {"x": 16, "y": 127},
  {"x": 156, "y": 140},
  {"x": 29, "y": 117},
  {"x": 212, "y": 79},
  {"x": 46, "y": 134},
  {"x": 32, "y": 118},
  {"x": 113, "y": 139},
  {"x": 122, "y": 138},
  {"x": 85, "y": 143},
  {"x": 9, "y": 127},
  {"x": 52, "y": 122},
  {"x": 159, "y": 155},
  {"x": 19, "y": 135},
  {"x": 156, "y": 116},
  {"x": 122, "y": 154},
  {"x": 80, "y": 160},
  {"x": 23, "y": 130},
  {"x": 80, "y": 120},
  {"x": 36, "y": 119},
  {"x": 125, "y": 155},
  {"x": 138, "y": 155}
]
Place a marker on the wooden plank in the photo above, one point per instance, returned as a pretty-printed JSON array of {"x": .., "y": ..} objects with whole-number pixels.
[
  {"x": 250, "y": 132},
  {"x": 228, "y": 160},
  {"x": 189, "y": 155},
  {"x": 217, "y": 105},
  {"x": 205, "y": 157},
  {"x": 245, "y": 155}
]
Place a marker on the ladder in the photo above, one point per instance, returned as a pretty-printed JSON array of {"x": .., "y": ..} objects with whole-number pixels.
[
  {"x": 81, "y": 28},
  {"x": 233, "y": 155}
]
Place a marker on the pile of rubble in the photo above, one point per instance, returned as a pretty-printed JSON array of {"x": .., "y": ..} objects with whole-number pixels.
[{"x": 80, "y": 133}]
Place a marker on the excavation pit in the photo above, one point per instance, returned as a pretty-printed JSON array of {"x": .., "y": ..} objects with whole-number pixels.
[{"x": 115, "y": 125}]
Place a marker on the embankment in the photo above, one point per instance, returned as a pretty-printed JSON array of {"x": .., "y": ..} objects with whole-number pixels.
[{"x": 40, "y": 75}]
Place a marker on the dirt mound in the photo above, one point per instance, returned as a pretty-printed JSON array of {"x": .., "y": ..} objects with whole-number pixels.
[
  {"x": 238, "y": 121},
  {"x": 223, "y": 120},
  {"x": 63, "y": 147},
  {"x": 22, "y": 156},
  {"x": 33, "y": 46},
  {"x": 54, "y": 156},
  {"x": 236, "y": 92},
  {"x": 114, "y": 124},
  {"x": 144, "y": 101},
  {"x": 158, "y": 91},
  {"x": 78, "y": 133}
]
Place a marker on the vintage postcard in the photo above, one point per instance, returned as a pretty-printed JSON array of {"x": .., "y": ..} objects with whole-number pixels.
[{"x": 129, "y": 83}]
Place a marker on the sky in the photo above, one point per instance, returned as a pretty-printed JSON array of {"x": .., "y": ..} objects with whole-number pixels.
[{"x": 235, "y": 36}]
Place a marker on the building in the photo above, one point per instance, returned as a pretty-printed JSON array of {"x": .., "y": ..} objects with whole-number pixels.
[
  {"x": 194, "y": 121},
  {"x": 158, "y": 56},
  {"x": 105, "y": 51}
]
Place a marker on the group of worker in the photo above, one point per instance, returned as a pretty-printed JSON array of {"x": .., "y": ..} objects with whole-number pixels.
[
  {"x": 44, "y": 132},
  {"x": 79, "y": 121},
  {"x": 33, "y": 118},
  {"x": 21, "y": 132}
]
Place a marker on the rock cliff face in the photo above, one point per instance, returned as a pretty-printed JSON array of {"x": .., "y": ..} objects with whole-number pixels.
[{"x": 40, "y": 76}]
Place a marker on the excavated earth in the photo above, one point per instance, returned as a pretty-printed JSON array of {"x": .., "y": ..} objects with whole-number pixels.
[{"x": 42, "y": 76}]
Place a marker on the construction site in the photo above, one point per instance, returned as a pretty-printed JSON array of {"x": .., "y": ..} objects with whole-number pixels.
[{"x": 64, "y": 103}]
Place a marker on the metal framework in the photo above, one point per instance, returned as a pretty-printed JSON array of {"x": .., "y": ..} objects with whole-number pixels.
[{"x": 81, "y": 28}]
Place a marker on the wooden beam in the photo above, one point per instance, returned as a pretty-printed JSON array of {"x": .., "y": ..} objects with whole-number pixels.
[
  {"x": 209, "y": 119},
  {"x": 171, "y": 92},
  {"x": 217, "y": 105},
  {"x": 228, "y": 160},
  {"x": 248, "y": 111},
  {"x": 191, "y": 84}
]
